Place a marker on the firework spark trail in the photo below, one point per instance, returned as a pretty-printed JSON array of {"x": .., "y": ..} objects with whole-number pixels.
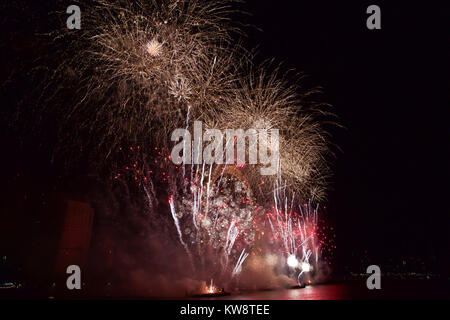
[
  {"x": 310, "y": 215},
  {"x": 201, "y": 182},
  {"x": 271, "y": 226},
  {"x": 238, "y": 267},
  {"x": 226, "y": 162},
  {"x": 149, "y": 196},
  {"x": 196, "y": 204},
  {"x": 195, "y": 208},
  {"x": 298, "y": 277},
  {"x": 232, "y": 234},
  {"x": 180, "y": 235},
  {"x": 282, "y": 225},
  {"x": 208, "y": 190},
  {"x": 296, "y": 235},
  {"x": 218, "y": 185},
  {"x": 184, "y": 141},
  {"x": 197, "y": 193},
  {"x": 231, "y": 237}
]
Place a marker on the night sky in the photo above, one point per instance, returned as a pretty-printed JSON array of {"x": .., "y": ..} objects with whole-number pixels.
[{"x": 389, "y": 90}]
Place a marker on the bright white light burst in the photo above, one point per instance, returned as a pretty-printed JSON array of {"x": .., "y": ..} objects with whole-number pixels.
[
  {"x": 292, "y": 261},
  {"x": 154, "y": 48},
  {"x": 306, "y": 267}
]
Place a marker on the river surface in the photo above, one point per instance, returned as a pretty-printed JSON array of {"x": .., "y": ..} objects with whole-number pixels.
[
  {"x": 354, "y": 290},
  {"x": 351, "y": 290}
]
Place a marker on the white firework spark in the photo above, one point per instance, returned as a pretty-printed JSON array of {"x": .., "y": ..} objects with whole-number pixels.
[{"x": 154, "y": 48}]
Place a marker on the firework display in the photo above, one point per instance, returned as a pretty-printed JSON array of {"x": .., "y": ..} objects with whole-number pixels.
[
  {"x": 136, "y": 69},
  {"x": 140, "y": 70},
  {"x": 228, "y": 153}
]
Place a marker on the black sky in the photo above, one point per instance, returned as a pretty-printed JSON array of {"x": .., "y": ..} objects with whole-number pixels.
[{"x": 389, "y": 88}]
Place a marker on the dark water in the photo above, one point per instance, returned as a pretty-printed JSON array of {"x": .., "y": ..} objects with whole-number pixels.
[
  {"x": 356, "y": 290},
  {"x": 352, "y": 290}
]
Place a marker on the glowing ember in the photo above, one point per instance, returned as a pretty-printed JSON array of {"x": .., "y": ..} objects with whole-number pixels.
[{"x": 211, "y": 288}]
